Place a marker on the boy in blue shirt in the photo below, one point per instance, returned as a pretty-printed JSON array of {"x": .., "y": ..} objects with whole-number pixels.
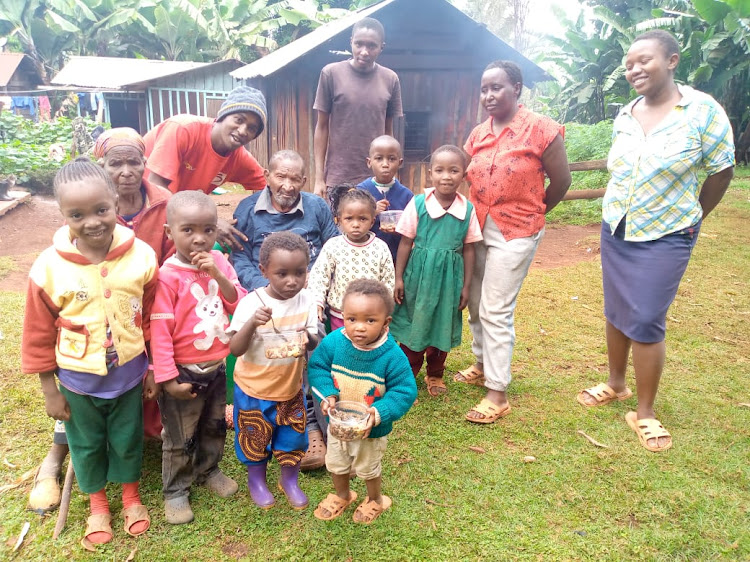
[{"x": 384, "y": 160}]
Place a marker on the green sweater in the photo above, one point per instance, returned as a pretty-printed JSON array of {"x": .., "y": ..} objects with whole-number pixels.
[{"x": 380, "y": 377}]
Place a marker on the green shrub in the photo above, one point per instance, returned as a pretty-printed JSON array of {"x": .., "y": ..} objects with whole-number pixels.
[
  {"x": 588, "y": 142},
  {"x": 25, "y": 144}
]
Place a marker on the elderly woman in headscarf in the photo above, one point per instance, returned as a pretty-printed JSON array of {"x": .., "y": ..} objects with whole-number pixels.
[{"x": 141, "y": 205}]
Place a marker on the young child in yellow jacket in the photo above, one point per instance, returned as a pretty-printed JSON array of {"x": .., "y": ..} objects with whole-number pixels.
[{"x": 85, "y": 323}]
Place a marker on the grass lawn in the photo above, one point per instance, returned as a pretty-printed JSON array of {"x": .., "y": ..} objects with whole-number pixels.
[{"x": 576, "y": 501}]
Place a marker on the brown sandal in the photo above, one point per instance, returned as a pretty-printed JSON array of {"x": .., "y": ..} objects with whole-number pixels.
[
  {"x": 369, "y": 510},
  {"x": 334, "y": 505},
  {"x": 135, "y": 514},
  {"x": 489, "y": 411},
  {"x": 602, "y": 394},
  {"x": 647, "y": 429},
  {"x": 470, "y": 375},
  {"x": 435, "y": 386},
  {"x": 99, "y": 523}
]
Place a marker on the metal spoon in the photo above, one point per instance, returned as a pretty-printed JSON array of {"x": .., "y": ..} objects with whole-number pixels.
[{"x": 275, "y": 329}]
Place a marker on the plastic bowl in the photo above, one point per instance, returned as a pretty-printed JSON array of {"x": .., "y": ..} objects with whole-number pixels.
[
  {"x": 389, "y": 220},
  {"x": 348, "y": 420},
  {"x": 288, "y": 343}
]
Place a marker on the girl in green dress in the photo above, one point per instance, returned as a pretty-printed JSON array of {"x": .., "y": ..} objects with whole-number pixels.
[{"x": 433, "y": 268}]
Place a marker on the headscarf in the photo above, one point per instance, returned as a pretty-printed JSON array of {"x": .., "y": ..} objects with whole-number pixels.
[{"x": 119, "y": 136}]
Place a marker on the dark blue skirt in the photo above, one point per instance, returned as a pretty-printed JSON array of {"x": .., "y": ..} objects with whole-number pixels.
[{"x": 641, "y": 279}]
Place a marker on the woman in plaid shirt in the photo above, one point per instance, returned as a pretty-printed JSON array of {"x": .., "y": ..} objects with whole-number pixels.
[{"x": 652, "y": 213}]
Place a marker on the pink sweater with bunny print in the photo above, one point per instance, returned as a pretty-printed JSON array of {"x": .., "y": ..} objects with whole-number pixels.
[{"x": 190, "y": 316}]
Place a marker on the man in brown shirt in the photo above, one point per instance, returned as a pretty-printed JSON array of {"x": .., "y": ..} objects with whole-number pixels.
[{"x": 356, "y": 102}]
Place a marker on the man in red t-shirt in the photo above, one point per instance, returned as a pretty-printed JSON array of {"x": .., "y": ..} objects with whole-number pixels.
[{"x": 187, "y": 152}]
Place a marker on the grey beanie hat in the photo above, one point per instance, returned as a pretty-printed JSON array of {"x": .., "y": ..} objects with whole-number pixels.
[{"x": 244, "y": 98}]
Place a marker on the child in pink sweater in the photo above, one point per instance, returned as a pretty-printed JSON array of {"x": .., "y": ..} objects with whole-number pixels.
[{"x": 197, "y": 290}]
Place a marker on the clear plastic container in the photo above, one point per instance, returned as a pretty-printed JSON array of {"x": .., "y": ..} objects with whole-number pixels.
[
  {"x": 348, "y": 420},
  {"x": 389, "y": 220},
  {"x": 286, "y": 343}
]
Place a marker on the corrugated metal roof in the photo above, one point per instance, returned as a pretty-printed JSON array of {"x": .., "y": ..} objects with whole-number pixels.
[
  {"x": 277, "y": 60},
  {"x": 8, "y": 64},
  {"x": 288, "y": 53},
  {"x": 113, "y": 73},
  {"x": 230, "y": 64}
]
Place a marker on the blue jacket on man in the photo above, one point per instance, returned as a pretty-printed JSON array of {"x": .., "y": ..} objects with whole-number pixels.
[{"x": 257, "y": 218}]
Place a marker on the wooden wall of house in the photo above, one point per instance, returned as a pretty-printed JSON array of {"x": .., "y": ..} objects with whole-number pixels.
[
  {"x": 291, "y": 119},
  {"x": 452, "y": 99}
]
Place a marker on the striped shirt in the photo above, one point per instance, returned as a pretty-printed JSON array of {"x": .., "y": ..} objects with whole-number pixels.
[{"x": 654, "y": 182}]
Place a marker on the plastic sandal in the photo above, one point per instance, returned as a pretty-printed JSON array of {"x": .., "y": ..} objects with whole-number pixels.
[
  {"x": 334, "y": 505},
  {"x": 603, "y": 394},
  {"x": 470, "y": 375},
  {"x": 647, "y": 429},
  {"x": 435, "y": 386},
  {"x": 135, "y": 514},
  {"x": 368, "y": 511},
  {"x": 491, "y": 412},
  {"x": 315, "y": 457}
]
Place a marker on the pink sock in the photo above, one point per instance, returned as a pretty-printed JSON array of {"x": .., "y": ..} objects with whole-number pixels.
[
  {"x": 99, "y": 505},
  {"x": 130, "y": 497}
]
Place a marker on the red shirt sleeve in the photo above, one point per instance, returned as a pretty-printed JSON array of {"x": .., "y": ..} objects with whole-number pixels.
[
  {"x": 246, "y": 171},
  {"x": 171, "y": 142},
  {"x": 39, "y": 331}
]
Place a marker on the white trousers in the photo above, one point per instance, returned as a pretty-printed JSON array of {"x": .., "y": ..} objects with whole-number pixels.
[{"x": 499, "y": 271}]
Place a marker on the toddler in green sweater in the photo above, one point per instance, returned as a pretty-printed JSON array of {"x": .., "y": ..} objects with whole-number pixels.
[{"x": 361, "y": 362}]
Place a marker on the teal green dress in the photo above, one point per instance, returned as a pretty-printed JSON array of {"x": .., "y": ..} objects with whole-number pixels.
[{"x": 433, "y": 280}]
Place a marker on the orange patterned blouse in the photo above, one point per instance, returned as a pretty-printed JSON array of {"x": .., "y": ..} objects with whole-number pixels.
[{"x": 506, "y": 173}]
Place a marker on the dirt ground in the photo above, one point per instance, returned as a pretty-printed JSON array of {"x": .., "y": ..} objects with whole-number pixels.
[{"x": 27, "y": 230}]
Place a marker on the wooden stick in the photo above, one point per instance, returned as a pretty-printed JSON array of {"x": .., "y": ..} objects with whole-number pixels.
[
  {"x": 588, "y": 165},
  {"x": 62, "y": 514},
  {"x": 433, "y": 502},
  {"x": 583, "y": 194},
  {"x": 592, "y": 440}
]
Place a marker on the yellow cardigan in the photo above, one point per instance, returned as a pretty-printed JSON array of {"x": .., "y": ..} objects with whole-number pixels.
[{"x": 70, "y": 302}]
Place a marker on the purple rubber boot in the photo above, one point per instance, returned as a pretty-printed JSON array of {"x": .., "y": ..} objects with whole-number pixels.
[
  {"x": 256, "y": 483},
  {"x": 288, "y": 483}
]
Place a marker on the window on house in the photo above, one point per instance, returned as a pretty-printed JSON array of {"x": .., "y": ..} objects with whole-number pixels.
[{"x": 417, "y": 133}]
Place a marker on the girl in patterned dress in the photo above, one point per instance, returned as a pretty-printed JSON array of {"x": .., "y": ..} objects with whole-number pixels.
[{"x": 356, "y": 254}]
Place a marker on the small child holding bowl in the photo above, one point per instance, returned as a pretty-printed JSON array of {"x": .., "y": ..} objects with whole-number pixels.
[{"x": 362, "y": 363}]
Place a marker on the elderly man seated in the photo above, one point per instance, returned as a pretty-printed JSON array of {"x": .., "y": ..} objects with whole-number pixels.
[
  {"x": 280, "y": 206},
  {"x": 283, "y": 206}
]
